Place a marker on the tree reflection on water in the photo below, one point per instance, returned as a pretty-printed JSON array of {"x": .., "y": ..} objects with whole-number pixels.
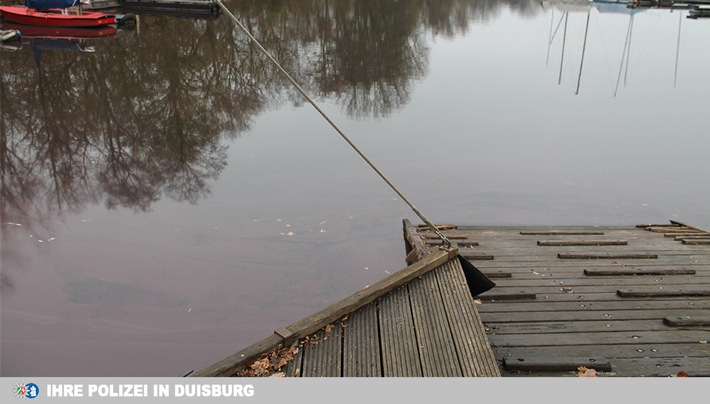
[{"x": 146, "y": 115}]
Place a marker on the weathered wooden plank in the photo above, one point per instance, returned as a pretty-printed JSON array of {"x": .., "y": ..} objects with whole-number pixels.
[
  {"x": 582, "y": 300},
  {"x": 561, "y": 364},
  {"x": 400, "y": 352},
  {"x": 562, "y": 233},
  {"x": 322, "y": 354},
  {"x": 617, "y": 256},
  {"x": 497, "y": 297},
  {"x": 681, "y": 237},
  {"x": 499, "y": 318},
  {"x": 643, "y": 226},
  {"x": 498, "y": 275},
  {"x": 436, "y": 346},
  {"x": 573, "y": 326},
  {"x": 662, "y": 293},
  {"x": 459, "y": 243},
  {"x": 640, "y": 304},
  {"x": 669, "y": 229},
  {"x": 592, "y": 291},
  {"x": 560, "y": 280},
  {"x": 361, "y": 345},
  {"x": 441, "y": 227},
  {"x": 469, "y": 336},
  {"x": 613, "y": 352},
  {"x": 637, "y": 272},
  {"x": 685, "y": 234},
  {"x": 600, "y": 338},
  {"x": 477, "y": 256},
  {"x": 293, "y": 368},
  {"x": 532, "y": 263},
  {"x": 565, "y": 243},
  {"x": 450, "y": 236},
  {"x": 687, "y": 321},
  {"x": 575, "y": 269},
  {"x": 699, "y": 241},
  {"x": 662, "y": 367}
]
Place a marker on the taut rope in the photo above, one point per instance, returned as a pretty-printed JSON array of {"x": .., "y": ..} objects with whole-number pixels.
[{"x": 330, "y": 121}]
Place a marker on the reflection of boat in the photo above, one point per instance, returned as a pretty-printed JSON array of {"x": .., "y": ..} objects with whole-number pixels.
[
  {"x": 32, "y": 31},
  {"x": 54, "y": 17}
]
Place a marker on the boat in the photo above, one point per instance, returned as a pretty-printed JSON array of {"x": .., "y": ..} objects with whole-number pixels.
[
  {"x": 33, "y": 31},
  {"x": 53, "y": 13}
]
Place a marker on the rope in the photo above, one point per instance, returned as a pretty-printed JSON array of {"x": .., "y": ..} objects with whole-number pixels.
[{"x": 330, "y": 121}]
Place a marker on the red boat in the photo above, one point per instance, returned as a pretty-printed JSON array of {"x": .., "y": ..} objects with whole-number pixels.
[
  {"x": 31, "y": 31},
  {"x": 55, "y": 17}
]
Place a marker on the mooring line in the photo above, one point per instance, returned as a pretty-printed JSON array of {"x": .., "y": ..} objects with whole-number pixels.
[{"x": 331, "y": 122}]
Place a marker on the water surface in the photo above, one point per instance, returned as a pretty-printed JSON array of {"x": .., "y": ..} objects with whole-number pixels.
[{"x": 170, "y": 199}]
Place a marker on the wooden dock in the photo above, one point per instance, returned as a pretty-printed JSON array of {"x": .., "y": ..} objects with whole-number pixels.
[
  {"x": 619, "y": 301},
  {"x": 625, "y": 301},
  {"x": 419, "y": 322}
]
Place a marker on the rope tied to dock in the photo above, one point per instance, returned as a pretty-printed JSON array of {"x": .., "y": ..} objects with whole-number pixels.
[{"x": 342, "y": 134}]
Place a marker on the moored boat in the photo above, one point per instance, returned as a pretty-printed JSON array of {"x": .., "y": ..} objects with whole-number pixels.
[
  {"x": 54, "y": 17},
  {"x": 33, "y": 31}
]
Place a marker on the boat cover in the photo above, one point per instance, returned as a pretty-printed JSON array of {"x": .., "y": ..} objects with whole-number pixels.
[{"x": 42, "y": 5}]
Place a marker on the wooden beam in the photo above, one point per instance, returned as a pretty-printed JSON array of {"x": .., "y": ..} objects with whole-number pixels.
[
  {"x": 565, "y": 243},
  {"x": 638, "y": 271},
  {"x": 662, "y": 293},
  {"x": 621, "y": 256},
  {"x": 687, "y": 321},
  {"x": 541, "y": 364},
  {"x": 561, "y": 233}
]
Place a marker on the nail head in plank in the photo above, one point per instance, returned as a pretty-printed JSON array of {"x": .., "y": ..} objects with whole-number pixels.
[
  {"x": 681, "y": 321},
  {"x": 555, "y": 364}
]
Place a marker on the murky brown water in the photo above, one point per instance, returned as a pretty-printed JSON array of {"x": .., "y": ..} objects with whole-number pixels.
[{"x": 169, "y": 199}]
